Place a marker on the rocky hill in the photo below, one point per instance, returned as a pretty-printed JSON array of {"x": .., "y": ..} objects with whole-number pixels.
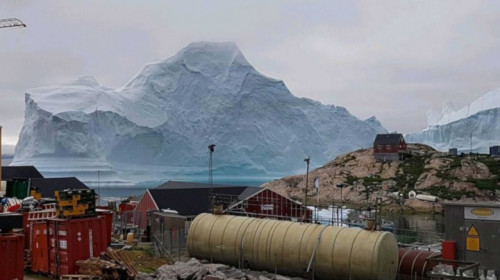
[{"x": 426, "y": 171}]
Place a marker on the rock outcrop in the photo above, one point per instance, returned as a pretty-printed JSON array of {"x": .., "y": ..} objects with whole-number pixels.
[
  {"x": 426, "y": 171},
  {"x": 197, "y": 270}
]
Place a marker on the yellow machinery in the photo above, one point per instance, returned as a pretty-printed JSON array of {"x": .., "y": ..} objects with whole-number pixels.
[{"x": 294, "y": 248}]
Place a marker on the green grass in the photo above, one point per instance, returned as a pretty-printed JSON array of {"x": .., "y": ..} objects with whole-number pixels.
[
  {"x": 372, "y": 180},
  {"x": 485, "y": 184},
  {"x": 492, "y": 164},
  {"x": 411, "y": 169},
  {"x": 456, "y": 163},
  {"x": 350, "y": 180}
]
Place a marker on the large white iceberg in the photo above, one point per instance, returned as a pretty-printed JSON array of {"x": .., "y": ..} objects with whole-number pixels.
[
  {"x": 162, "y": 120},
  {"x": 475, "y": 127}
]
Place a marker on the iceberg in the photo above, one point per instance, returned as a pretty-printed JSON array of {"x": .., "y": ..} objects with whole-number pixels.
[
  {"x": 473, "y": 128},
  {"x": 160, "y": 123}
]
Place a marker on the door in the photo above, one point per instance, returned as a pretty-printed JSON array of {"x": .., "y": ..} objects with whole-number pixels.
[{"x": 487, "y": 233}]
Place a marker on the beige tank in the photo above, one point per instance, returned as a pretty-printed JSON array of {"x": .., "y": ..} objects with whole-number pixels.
[{"x": 287, "y": 247}]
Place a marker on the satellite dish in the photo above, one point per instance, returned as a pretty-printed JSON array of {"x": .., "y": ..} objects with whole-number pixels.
[{"x": 412, "y": 194}]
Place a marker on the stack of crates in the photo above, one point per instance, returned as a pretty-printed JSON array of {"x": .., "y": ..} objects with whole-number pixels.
[{"x": 75, "y": 203}]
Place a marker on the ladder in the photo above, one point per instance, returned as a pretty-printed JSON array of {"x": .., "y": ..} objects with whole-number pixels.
[{"x": 38, "y": 215}]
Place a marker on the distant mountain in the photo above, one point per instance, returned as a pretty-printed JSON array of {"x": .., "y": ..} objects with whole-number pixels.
[
  {"x": 474, "y": 127},
  {"x": 162, "y": 120}
]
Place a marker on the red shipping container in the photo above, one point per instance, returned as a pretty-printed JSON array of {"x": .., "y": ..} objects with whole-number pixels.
[
  {"x": 108, "y": 217},
  {"x": 71, "y": 240},
  {"x": 27, "y": 230},
  {"x": 40, "y": 247},
  {"x": 11, "y": 256},
  {"x": 448, "y": 250}
]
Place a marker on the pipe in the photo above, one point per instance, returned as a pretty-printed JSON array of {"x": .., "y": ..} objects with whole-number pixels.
[{"x": 288, "y": 247}]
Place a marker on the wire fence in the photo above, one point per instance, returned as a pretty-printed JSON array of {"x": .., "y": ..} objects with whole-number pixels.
[{"x": 168, "y": 234}]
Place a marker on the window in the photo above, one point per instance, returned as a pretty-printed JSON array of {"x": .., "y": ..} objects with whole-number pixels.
[
  {"x": 388, "y": 147},
  {"x": 379, "y": 147}
]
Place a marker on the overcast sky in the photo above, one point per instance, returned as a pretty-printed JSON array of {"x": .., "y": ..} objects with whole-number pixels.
[{"x": 391, "y": 59}]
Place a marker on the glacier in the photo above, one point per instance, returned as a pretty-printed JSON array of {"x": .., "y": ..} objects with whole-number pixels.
[
  {"x": 158, "y": 125},
  {"x": 473, "y": 128}
]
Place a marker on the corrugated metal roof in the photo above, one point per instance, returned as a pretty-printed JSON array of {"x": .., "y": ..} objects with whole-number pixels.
[
  {"x": 190, "y": 199},
  {"x": 22, "y": 172},
  {"x": 48, "y": 186},
  {"x": 388, "y": 139}
]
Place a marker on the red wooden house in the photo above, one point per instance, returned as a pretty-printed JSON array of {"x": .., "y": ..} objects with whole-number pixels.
[
  {"x": 268, "y": 204},
  {"x": 191, "y": 199},
  {"x": 389, "y": 147}
]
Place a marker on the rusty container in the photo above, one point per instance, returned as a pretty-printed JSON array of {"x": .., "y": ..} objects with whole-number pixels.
[
  {"x": 11, "y": 256},
  {"x": 71, "y": 240},
  {"x": 413, "y": 264},
  {"x": 40, "y": 247},
  {"x": 27, "y": 230},
  {"x": 108, "y": 218}
]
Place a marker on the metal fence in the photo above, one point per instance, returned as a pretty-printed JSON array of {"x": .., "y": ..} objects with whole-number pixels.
[{"x": 168, "y": 234}]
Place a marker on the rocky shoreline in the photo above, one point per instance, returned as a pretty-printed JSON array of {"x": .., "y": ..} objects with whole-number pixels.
[{"x": 428, "y": 172}]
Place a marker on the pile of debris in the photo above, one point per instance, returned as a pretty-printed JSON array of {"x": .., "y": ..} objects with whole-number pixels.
[
  {"x": 113, "y": 264},
  {"x": 196, "y": 270}
]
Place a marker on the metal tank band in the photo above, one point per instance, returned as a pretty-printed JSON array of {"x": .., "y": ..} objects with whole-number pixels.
[{"x": 294, "y": 248}]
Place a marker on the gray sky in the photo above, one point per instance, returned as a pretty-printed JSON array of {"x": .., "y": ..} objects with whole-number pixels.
[{"x": 391, "y": 59}]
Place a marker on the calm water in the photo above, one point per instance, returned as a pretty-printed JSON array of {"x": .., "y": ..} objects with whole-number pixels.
[{"x": 117, "y": 193}]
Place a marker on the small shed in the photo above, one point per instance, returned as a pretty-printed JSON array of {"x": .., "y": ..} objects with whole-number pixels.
[
  {"x": 475, "y": 228},
  {"x": 495, "y": 151},
  {"x": 17, "y": 180},
  {"x": 390, "y": 146},
  {"x": 453, "y": 152}
]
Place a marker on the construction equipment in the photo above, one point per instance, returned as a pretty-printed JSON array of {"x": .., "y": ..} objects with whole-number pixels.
[{"x": 11, "y": 22}]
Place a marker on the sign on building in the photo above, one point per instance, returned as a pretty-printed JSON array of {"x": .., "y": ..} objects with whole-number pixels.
[
  {"x": 266, "y": 207},
  {"x": 473, "y": 241},
  {"x": 482, "y": 213}
]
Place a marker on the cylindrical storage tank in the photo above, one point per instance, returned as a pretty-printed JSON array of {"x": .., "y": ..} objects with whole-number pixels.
[
  {"x": 288, "y": 247},
  {"x": 412, "y": 263}
]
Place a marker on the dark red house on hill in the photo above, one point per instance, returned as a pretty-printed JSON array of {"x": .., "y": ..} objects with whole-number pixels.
[{"x": 389, "y": 147}]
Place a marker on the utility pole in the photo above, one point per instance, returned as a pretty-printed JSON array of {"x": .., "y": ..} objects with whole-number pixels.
[
  {"x": 341, "y": 186},
  {"x": 211, "y": 149},
  {"x": 307, "y": 160}
]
